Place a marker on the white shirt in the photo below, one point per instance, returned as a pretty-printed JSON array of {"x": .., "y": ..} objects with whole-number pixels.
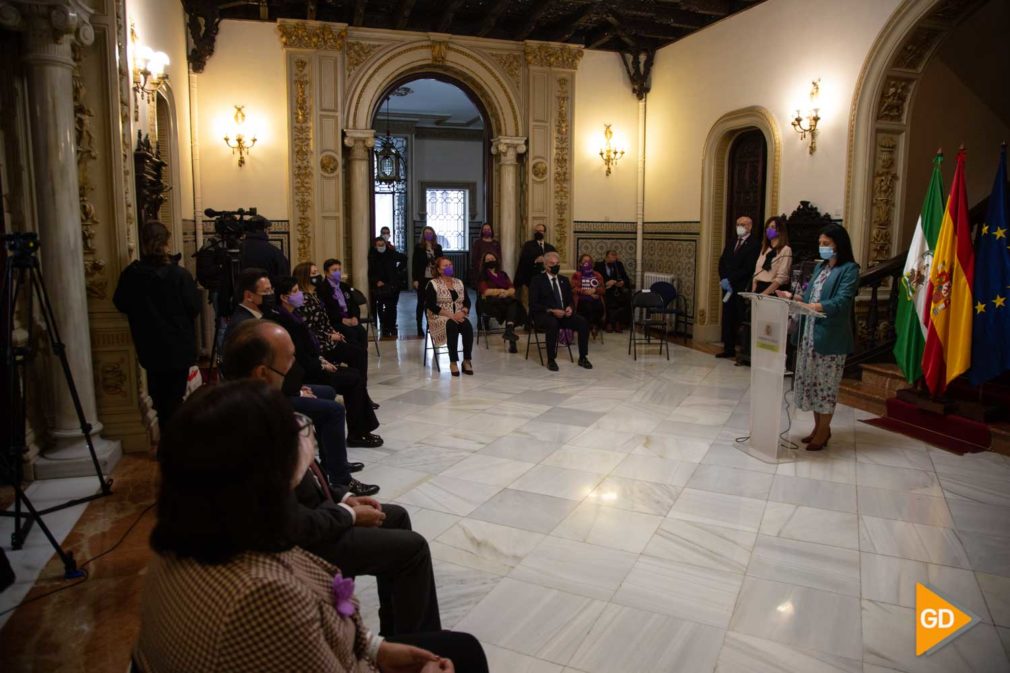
[{"x": 256, "y": 314}]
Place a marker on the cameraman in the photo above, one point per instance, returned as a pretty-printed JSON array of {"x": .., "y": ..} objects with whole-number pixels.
[
  {"x": 161, "y": 302},
  {"x": 259, "y": 252}
]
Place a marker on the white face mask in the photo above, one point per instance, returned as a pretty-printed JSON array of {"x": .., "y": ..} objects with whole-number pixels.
[{"x": 740, "y": 230}]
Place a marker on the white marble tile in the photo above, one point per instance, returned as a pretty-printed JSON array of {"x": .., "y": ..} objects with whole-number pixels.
[
  {"x": 996, "y": 590},
  {"x": 732, "y": 456},
  {"x": 651, "y": 468},
  {"x": 979, "y": 518},
  {"x": 702, "y": 545},
  {"x": 550, "y": 433},
  {"x": 731, "y": 480},
  {"x": 576, "y": 567},
  {"x": 808, "y": 524},
  {"x": 573, "y": 417},
  {"x": 808, "y": 619},
  {"x": 608, "y": 440},
  {"x": 484, "y": 546},
  {"x": 460, "y": 589},
  {"x": 807, "y": 564},
  {"x": 913, "y": 541},
  {"x": 446, "y": 494},
  {"x": 580, "y": 458},
  {"x": 426, "y": 459},
  {"x": 894, "y": 456},
  {"x": 747, "y": 654},
  {"x": 629, "y": 420},
  {"x": 596, "y": 523},
  {"x": 516, "y": 446},
  {"x": 718, "y": 509},
  {"x": 625, "y": 639},
  {"x": 488, "y": 470},
  {"x": 522, "y": 509},
  {"x": 637, "y": 496},
  {"x": 500, "y": 660},
  {"x": 814, "y": 493},
  {"x": 897, "y": 479},
  {"x": 394, "y": 481},
  {"x": 688, "y": 449},
  {"x": 911, "y": 507},
  {"x": 1004, "y": 635},
  {"x": 826, "y": 467},
  {"x": 533, "y": 620},
  {"x": 558, "y": 481},
  {"x": 889, "y": 579},
  {"x": 889, "y": 640},
  {"x": 689, "y": 592},
  {"x": 428, "y": 522},
  {"x": 988, "y": 553},
  {"x": 682, "y": 429}
]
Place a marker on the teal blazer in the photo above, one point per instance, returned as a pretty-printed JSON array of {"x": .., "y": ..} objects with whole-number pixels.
[{"x": 833, "y": 334}]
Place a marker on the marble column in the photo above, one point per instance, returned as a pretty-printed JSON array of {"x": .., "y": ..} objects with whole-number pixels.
[
  {"x": 361, "y": 143},
  {"x": 508, "y": 149},
  {"x": 640, "y": 194},
  {"x": 48, "y": 28}
]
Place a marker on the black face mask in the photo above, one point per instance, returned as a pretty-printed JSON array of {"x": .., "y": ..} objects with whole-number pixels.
[
  {"x": 316, "y": 280},
  {"x": 539, "y": 236},
  {"x": 491, "y": 265},
  {"x": 555, "y": 270},
  {"x": 269, "y": 302}
]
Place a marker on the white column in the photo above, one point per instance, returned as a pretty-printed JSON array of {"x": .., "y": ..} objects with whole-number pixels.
[
  {"x": 640, "y": 199},
  {"x": 508, "y": 149},
  {"x": 48, "y": 27},
  {"x": 361, "y": 143}
]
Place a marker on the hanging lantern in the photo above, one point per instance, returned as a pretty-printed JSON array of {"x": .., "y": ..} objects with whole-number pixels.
[{"x": 387, "y": 158}]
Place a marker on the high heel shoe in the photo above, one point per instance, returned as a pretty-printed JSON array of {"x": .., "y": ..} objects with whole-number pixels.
[
  {"x": 817, "y": 447},
  {"x": 467, "y": 368},
  {"x": 453, "y": 369},
  {"x": 809, "y": 438}
]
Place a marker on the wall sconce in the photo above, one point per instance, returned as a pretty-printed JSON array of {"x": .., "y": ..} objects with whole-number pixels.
[
  {"x": 610, "y": 153},
  {"x": 809, "y": 125},
  {"x": 240, "y": 144},
  {"x": 148, "y": 72}
]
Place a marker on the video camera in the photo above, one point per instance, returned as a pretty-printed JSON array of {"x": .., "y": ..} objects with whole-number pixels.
[
  {"x": 231, "y": 225},
  {"x": 217, "y": 262}
]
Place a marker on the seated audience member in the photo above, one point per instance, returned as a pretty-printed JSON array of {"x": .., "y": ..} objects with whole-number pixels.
[
  {"x": 343, "y": 312},
  {"x": 257, "y": 252},
  {"x": 262, "y": 349},
  {"x": 359, "y": 535},
  {"x": 498, "y": 299},
  {"x": 618, "y": 291},
  {"x": 228, "y": 590},
  {"x": 255, "y": 296},
  {"x": 161, "y": 302},
  {"x": 448, "y": 307},
  {"x": 385, "y": 269},
  {"x": 332, "y": 344},
  {"x": 480, "y": 248},
  {"x": 552, "y": 308},
  {"x": 316, "y": 369},
  {"x": 588, "y": 289},
  {"x": 776, "y": 259}
]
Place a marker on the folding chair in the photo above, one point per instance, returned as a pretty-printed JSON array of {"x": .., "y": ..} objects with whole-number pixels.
[
  {"x": 366, "y": 317},
  {"x": 533, "y": 333},
  {"x": 429, "y": 345},
  {"x": 645, "y": 304},
  {"x": 675, "y": 305},
  {"x": 484, "y": 325}
]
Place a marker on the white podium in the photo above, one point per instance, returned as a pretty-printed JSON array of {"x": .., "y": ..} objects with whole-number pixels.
[{"x": 769, "y": 327}]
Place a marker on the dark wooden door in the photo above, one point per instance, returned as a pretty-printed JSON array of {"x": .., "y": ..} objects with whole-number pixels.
[{"x": 748, "y": 157}]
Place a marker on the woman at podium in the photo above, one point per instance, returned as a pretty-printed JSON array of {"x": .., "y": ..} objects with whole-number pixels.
[{"x": 825, "y": 342}]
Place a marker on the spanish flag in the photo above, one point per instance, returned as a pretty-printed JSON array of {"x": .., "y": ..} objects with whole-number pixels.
[{"x": 949, "y": 293}]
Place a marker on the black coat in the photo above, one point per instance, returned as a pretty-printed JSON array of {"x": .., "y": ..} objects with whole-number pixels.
[
  {"x": 618, "y": 272},
  {"x": 306, "y": 348},
  {"x": 527, "y": 261},
  {"x": 542, "y": 294},
  {"x": 387, "y": 267},
  {"x": 162, "y": 303},
  {"x": 317, "y": 519},
  {"x": 420, "y": 262},
  {"x": 738, "y": 265},
  {"x": 258, "y": 252},
  {"x": 325, "y": 292}
]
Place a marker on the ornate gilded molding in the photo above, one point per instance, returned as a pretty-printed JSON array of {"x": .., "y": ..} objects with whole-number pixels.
[
  {"x": 302, "y": 178},
  {"x": 357, "y": 53},
  {"x": 553, "y": 56},
  {"x": 94, "y": 268},
  {"x": 328, "y": 164},
  {"x": 126, "y": 134},
  {"x": 562, "y": 146},
  {"x": 893, "y": 99},
  {"x": 439, "y": 51},
  {"x": 311, "y": 35},
  {"x": 539, "y": 169},
  {"x": 917, "y": 47},
  {"x": 512, "y": 64},
  {"x": 885, "y": 180}
]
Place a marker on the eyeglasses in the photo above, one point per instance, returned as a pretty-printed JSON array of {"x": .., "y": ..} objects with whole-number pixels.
[{"x": 279, "y": 373}]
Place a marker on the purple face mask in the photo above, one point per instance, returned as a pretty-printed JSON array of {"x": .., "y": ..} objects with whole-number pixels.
[
  {"x": 771, "y": 234},
  {"x": 587, "y": 267},
  {"x": 486, "y": 233},
  {"x": 428, "y": 236},
  {"x": 296, "y": 299},
  {"x": 335, "y": 276},
  {"x": 448, "y": 271}
]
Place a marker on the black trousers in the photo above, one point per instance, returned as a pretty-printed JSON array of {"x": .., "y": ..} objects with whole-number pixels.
[
  {"x": 592, "y": 311},
  {"x": 400, "y": 560},
  {"x": 550, "y": 325},
  {"x": 504, "y": 309},
  {"x": 732, "y": 316},
  {"x": 355, "y": 335},
  {"x": 351, "y": 354},
  {"x": 328, "y": 417},
  {"x": 462, "y": 649},
  {"x": 453, "y": 331},
  {"x": 166, "y": 389},
  {"x": 419, "y": 311},
  {"x": 385, "y": 310},
  {"x": 348, "y": 383}
]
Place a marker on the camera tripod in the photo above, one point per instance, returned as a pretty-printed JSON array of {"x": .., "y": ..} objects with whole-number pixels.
[{"x": 22, "y": 275}]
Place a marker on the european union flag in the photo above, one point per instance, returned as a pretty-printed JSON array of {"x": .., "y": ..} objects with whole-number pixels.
[{"x": 990, "y": 348}]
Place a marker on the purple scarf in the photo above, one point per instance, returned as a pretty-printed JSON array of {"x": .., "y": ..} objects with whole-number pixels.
[
  {"x": 498, "y": 281},
  {"x": 339, "y": 296}
]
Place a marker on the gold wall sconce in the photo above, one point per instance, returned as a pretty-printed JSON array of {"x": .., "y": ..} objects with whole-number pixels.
[
  {"x": 610, "y": 153},
  {"x": 148, "y": 72},
  {"x": 239, "y": 144},
  {"x": 808, "y": 125}
]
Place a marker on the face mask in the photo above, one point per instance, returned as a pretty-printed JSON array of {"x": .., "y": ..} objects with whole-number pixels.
[
  {"x": 827, "y": 252},
  {"x": 335, "y": 276},
  {"x": 539, "y": 236},
  {"x": 428, "y": 236},
  {"x": 316, "y": 279},
  {"x": 385, "y": 237},
  {"x": 740, "y": 231},
  {"x": 587, "y": 267},
  {"x": 296, "y": 299},
  {"x": 486, "y": 233},
  {"x": 448, "y": 271},
  {"x": 380, "y": 248},
  {"x": 267, "y": 301},
  {"x": 772, "y": 234},
  {"x": 555, "y": 270},
  {"x": 491, "y": 265}
]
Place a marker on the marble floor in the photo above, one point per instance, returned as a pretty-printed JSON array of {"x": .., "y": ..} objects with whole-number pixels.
[{"x": 606, "y": 521}]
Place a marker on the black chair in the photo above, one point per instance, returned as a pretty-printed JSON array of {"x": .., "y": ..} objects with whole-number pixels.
[
  {"x": 484, "y": 324},
  {"x": 645, "y": 305},
  {"x": 675, "y": 306},
  {"x": 370, "y": 321},
  {"x": 533, "y": 334},
  {"x": 429, "y": 345}
]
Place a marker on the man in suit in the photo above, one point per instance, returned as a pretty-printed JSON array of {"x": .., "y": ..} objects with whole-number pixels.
[
  {"x": 532, "y": 253},
  {"x": 552, "y": 308},
  {"x": 258, "y": 252},
  {"x": 736, "y": 268},
  {"x": 255, "y": 295},
  {"x": 618, "y": 290},
  {"x": 385, "y": 269},
  {"x": 357, "y": 534}
]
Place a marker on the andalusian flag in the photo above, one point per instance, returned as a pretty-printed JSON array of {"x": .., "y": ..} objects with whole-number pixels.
[
  {"x": 948, "y": 342},
  {"x": 912, "y": 303},
  {"x": 990, "y": 353}
]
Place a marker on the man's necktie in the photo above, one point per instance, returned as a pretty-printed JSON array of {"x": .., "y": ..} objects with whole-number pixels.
[
  {"x": 557, "y": 292},
  {"x": 739, "y": 242}
]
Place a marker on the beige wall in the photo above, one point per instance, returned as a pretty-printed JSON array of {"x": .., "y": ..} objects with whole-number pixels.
[
  {"x": 247, "y": 68},
  {"x": 603, "y": 96},
  {"x": 765, "y": 56},
  {"x": 962, "y": 97}
]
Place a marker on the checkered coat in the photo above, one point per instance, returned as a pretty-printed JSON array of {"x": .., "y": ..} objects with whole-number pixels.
[{"x": 258, "y": 612}]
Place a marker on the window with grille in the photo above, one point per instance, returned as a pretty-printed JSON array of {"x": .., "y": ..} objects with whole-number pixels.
[
  {"x": 391, "y": 199},
  {"x": 447, "y": 213}
]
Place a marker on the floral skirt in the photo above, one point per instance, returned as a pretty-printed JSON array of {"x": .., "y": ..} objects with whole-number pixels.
[{"x": 817, "y": 379}]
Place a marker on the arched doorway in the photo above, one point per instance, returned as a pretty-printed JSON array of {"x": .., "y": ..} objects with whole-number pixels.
[{"x": 747, "y": 172}]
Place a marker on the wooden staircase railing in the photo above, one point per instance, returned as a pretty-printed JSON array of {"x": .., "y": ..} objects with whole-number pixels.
[{"x": 875, "y": 333}]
